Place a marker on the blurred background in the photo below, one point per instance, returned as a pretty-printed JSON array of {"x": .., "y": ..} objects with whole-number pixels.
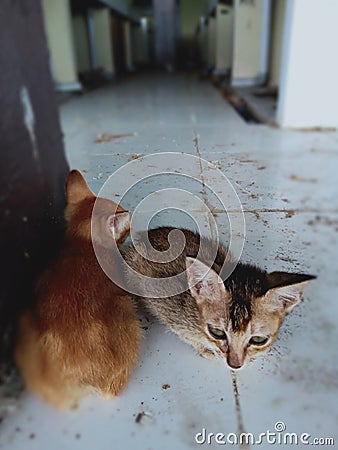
[{"x": 250, "y": 43}]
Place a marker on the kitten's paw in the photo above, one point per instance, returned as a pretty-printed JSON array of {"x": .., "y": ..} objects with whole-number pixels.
[{"x": 207, "y": 353}]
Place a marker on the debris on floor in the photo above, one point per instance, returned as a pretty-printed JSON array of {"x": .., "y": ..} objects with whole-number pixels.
[
  {"x": 105, "y": 137},
  {"x": 144, "y": 418},
  {"x": 11, "y": 388}
]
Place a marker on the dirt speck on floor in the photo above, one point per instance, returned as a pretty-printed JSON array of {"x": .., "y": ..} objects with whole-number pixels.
[
  {"x": 102, "y": 138},
  {"x": 248, "y": 161},
  {"x": 144, "y": 418},
  {"x": 256, "y": 214},
  {"x": 217, "y": 164},
  {"x": 133, "y": 157},
  {"x": 287, "y": 259},
  {"x": 165, "y": 386},
  {"x": 294, "y": 177},
  {"x": 289, "y": 213}
]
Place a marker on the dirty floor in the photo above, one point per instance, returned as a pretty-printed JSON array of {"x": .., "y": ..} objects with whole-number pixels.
[{"x": 286, "y": 182}]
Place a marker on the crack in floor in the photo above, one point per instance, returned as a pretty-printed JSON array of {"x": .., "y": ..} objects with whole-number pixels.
[{"x": 240, "y": 423}]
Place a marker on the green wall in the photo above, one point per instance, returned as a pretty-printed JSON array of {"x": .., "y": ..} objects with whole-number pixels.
[{"x": 190, "y": 13}]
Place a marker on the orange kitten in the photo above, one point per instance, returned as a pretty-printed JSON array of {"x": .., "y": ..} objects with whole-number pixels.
[{"x": 83, "y": 333}]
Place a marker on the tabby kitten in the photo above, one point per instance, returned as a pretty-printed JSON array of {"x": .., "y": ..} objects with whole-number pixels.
[{"x": 235, "y": 319}]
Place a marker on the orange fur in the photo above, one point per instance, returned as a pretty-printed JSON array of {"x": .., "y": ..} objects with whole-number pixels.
[{"x": 83, "y": 333}]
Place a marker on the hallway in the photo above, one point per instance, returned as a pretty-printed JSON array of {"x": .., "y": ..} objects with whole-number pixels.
[{"x": 286, "y": 182}]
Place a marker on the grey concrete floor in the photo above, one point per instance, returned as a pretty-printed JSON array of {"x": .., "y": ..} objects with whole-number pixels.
[{"x": 287, "y": 184}]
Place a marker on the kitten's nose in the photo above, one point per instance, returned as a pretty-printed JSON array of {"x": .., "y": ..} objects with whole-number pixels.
[
  {"x": 235, "y": 358},
  {"x": 234, "y": 361},
  {"x": 235, "y": 366}
]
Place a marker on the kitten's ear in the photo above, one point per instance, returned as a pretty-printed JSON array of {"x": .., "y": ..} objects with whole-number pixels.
[
  {"x": 77, "y": 188},
  {"x": 204, "y": 283},
  {"x": 119, "y": 225},
  {"x": 288, "y": 287}
]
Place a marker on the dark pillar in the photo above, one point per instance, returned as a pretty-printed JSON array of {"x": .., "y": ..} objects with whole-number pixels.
[
  {"x": 166, "y": 31},
  {"x": 33, "y": 165}
]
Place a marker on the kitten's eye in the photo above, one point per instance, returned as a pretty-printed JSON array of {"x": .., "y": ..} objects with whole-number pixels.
[
  {"x": 258, "y": 340},
  {"x": 217, "y": 333}
]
